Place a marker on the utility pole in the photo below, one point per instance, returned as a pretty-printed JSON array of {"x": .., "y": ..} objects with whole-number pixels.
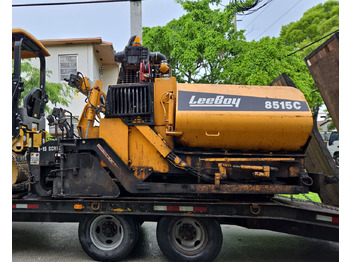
[
  {"x": 136, "y": 18},
  {"x": 235, "y": 21}
]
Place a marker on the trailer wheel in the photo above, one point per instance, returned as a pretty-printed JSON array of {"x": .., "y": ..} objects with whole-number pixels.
[
  {"x": 336, "y": 158},
  {"x": 108, "y": 237},
  {"x": 189, "y": 239}
]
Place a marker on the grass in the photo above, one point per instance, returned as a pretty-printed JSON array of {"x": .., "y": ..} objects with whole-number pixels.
[{"x": 314, "y": 196}]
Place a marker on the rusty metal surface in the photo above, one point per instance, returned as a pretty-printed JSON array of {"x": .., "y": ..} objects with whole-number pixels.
[
  {"x": 277, "y": 207},
  {"x": 142, "y": 180},
  {"x": 282, "y": 80},
  {"x": 81, "y": 172},
  {"x": 248, "y": 189},
  {"x": 281, "y": 215},
  {"x": 142, "y": 172},
  {"x": 323, "y": 64},
  {"x": 319, "y": 160},
  {"x": 270, "y": 159},
  {"x": 306, "y": 205},
  {"x": 236, "y": 167}
]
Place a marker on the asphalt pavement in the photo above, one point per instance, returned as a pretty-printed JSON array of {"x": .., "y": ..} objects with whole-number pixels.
[{"x": 59, "y": 242}]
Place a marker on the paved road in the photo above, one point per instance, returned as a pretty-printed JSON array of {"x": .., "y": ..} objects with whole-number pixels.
[{"x": 59, "y": 242}]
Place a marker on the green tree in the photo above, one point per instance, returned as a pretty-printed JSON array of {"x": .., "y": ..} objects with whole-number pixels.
[
  {"x": 331, "y": 126},
  {"x": 200, "y": 41},
  {"x": 206, "y": 47},
  {"x": 260, "y": 62},
  {"x": 315, "y": 23},
  {"x": 58, "y": 93}
]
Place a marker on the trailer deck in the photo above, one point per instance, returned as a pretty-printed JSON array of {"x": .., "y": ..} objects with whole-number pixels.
[{"x": 280, "y": 214}]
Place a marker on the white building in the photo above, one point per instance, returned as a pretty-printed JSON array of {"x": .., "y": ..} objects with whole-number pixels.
[
  {"x": 92, "y": 57},
  {"x": 323, "y": 122}
]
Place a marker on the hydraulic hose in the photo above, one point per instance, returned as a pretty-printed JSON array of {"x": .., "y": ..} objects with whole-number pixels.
[{"x": 156, "y": 57}]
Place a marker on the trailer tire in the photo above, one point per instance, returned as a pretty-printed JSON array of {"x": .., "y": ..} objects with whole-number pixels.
[
  {"x": 336, "y": 158},
  {"x": 189, "y": 239},
  {"x": 108, "y": 237}
]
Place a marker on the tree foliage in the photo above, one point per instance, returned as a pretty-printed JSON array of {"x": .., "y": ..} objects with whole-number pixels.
[
  {"x": 58, "y": 93},
  {"x": 315, "y": 23},
  {"x": 200, "y": 41},
  {"x": 260, "y": 62},
  {"x": 206, "y": 48}
]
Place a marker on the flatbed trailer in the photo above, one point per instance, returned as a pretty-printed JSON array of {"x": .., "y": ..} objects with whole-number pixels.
[{"x": 280, "y": 214}]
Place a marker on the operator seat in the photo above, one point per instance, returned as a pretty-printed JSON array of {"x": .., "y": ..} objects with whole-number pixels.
[{"x": 34, "y": 104}]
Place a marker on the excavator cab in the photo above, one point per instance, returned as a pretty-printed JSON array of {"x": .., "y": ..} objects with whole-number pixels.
[{"x": 28, "y": 121}]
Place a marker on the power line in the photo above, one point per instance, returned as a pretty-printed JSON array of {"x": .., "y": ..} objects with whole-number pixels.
[
  {"x": 278, "y": 19},
  {"x": 247, "y": 8},
  {"x": 242, "y": 8},
  {"x": 250, "y": 31},
  {"x": 313, "y": 42},
  {"x": 72, "y": 3},
  {"x": 255, "y": 10},
  {"x": 252, "y": 11}
]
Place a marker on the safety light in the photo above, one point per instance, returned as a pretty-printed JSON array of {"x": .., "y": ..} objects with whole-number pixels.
[
  {"x": 78, "y": 206},
  {"x": 137, "y": 41}
]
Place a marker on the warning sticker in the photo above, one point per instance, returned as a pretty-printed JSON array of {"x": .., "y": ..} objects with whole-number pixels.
[{"x": 34, "y": 158}]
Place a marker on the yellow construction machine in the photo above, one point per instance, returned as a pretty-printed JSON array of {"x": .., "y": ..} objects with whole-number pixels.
[
  {"x": 150, "y": 135},
  {"x": 28, "y": 121}
]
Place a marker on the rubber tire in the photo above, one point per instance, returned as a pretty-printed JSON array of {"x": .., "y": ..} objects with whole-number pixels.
[
  {"x": 210, "y": 251},
  {"x": 131, "y": 233},
  {"x": 336, "y": 158}
]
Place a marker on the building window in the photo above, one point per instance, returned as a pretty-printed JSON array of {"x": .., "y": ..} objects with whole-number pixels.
[{"x": 68, "y": 65}]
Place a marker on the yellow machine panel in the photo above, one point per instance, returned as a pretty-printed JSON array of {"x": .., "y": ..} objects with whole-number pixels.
[
  {"x": 249, "y": 118},
  {"x": 116, "y": 134},
  {"x": 143, "y": 153},
  {"x": 131, "y": 145},
  {"x": 164, "y": 107}
]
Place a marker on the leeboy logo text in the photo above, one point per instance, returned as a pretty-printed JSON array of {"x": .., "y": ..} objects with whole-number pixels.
[
  {"x": 218, "y": 101},
  {"x": 198, "y": 101}
]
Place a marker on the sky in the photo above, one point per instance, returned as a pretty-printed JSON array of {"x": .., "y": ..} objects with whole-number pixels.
[{"x": 111, "y": 21}]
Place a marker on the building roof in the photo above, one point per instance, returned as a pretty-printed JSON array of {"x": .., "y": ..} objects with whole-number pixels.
[
  {"x": 103, "y": 50},
  {"x": 71, "y": 41}
]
